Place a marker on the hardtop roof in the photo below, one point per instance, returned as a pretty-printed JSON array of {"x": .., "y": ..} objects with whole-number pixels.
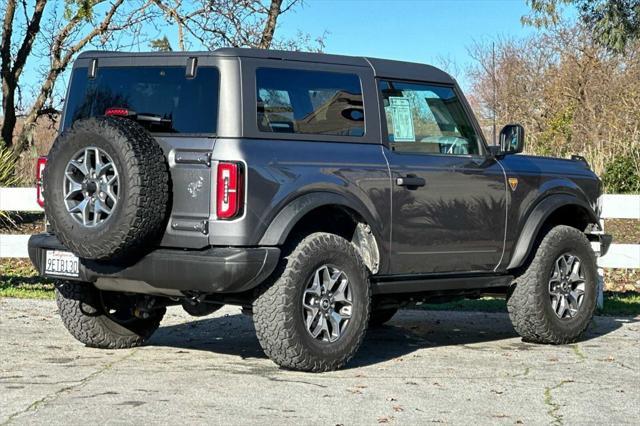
[{"x": 383, "y": 68}]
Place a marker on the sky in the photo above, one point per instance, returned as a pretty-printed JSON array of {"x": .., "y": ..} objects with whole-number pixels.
[{"x": 423, "y": 31}]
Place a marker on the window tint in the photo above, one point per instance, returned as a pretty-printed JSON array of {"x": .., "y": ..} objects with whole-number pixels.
[
  {"x": 428, "y": 119},
  {"x": 181, "y": 105},
  {"x": 311, "y": 102}
]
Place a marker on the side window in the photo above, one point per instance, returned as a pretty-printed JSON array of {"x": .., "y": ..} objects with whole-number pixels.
[
  {"x": 427, "y": 119},
  {"x": 309, "y": 102}
]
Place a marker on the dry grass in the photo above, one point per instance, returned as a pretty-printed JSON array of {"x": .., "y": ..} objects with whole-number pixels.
[
  {"x": 624, "y": 231},
  {"x": 621, "y": 280},
  {"x": 43, "y": 136},
  {"x": 24, "y": 223}
]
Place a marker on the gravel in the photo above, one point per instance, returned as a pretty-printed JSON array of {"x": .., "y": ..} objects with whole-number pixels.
[{"x": 451, "y": 367}]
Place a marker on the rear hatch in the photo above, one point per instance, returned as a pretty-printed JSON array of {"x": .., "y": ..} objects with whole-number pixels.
[{"x": 178, "y": 104}]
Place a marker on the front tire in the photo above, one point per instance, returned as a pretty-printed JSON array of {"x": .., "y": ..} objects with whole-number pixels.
[
  {"x": 554, "y": 299},
  {"x": 314, "y": 316},
  {"x": 104, "y": 319}
]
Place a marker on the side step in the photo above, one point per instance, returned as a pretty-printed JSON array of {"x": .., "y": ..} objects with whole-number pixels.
[{"x": 436, "y": 283}]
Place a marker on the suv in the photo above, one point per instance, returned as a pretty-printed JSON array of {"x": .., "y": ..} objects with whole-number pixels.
[{"x": 319, "y": 192}]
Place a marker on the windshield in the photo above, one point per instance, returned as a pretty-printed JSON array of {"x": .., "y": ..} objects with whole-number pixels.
[{"x": 162, "y": 99}]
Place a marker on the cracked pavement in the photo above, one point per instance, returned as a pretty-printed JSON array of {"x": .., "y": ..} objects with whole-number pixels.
[{"x": 444, "y": 367}]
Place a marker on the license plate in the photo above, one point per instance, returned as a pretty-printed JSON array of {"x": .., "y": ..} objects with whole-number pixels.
[{"x": 61, "y": 263}]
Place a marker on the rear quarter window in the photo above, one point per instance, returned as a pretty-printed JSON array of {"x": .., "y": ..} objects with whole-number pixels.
[
  {"x": 309, "y": 102},
  {"x": 185, "y": 105}
]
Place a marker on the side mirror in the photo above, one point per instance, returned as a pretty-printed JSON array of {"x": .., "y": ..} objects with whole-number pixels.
[{"x": 512, "y": 139}]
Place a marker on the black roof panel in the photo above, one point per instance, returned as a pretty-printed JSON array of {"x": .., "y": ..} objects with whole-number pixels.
[{"x": 381, "y": 67}]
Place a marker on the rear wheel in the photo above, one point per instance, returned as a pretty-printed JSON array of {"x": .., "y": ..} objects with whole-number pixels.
[
  {"x": 554, "y": 299},
  {"x": 106, "y": 320},
  {"x": 313, "y": 317}
]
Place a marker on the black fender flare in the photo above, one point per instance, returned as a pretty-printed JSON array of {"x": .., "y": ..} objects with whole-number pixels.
[
  {"x": 282, "y": 224},
  {"x": 536, "y": 219}
]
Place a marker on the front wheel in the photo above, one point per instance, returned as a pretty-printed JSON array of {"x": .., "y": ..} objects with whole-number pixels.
[
  {"x": 102, "y": 319},
  {"x": 314, "y": 316},
  {"x": 554, "y": 299}
]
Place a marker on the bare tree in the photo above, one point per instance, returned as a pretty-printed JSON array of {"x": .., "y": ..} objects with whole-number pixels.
[
  {"x": 211, "y": 24},
  {"x": 59, "y": 31},
  {"x": 12, "y": 66},
  {"x": 270, "y": 23},
  {"x": 573, "y": 95},
  {"x": 65, "y": 45}
]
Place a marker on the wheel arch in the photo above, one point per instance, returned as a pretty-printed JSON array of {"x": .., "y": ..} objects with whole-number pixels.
[
  {"x": 329, "y": 212},
  {"x": 555, "y": 209}
]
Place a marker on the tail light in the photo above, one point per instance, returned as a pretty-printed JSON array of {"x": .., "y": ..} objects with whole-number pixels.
[
  {"x": 118, "y": 112},
  {"x": 229, "y": 197},
  {"x": 42, "y": 162}
]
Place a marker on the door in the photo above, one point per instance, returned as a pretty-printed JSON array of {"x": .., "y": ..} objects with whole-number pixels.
[{"x": 449, "y": 197}]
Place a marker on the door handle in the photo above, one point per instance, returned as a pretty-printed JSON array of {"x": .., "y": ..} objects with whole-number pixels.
[{"x": 411, "y": 181}]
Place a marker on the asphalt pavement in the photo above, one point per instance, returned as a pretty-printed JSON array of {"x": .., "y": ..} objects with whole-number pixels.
[{"x": 424, "y": 367}]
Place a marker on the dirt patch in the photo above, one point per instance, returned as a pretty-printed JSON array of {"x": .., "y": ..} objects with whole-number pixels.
[
  {"x": 624, "y": 231},
  {"x": 25, "y": 223},
  {"x": 622, "y": 279}
]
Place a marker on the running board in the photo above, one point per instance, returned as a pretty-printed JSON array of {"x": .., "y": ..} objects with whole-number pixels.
[{"x": 426, "y": 283}]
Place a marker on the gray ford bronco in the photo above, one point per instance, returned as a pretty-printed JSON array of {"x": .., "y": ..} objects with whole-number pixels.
[{"x": 318, "y": 192}]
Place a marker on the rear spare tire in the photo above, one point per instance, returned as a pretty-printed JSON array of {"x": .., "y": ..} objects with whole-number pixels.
[{"x": 106, "y": 188}]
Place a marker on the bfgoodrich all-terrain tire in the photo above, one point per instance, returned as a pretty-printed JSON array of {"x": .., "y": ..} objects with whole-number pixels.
[
  {"x": 106, "y": 188},
  {"x": 104, "y": 319},
  {"x": 553, "y": 300},
  {"x": 314, "y": 314}
]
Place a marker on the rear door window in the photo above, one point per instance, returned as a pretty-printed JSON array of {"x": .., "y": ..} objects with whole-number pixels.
[
  {"x": 166, "y": 100},
  {"x": 309, "y": 102}
]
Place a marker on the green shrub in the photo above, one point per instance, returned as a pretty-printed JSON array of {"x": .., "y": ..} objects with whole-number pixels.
[{"x": 622, "y": 174}]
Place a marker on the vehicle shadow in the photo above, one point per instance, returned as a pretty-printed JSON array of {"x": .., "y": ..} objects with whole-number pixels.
[{"x": 407, "y": 332}]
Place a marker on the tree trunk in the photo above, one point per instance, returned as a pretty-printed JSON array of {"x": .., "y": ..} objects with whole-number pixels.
[
  {"x": 270, "y": 25},
  {"x": 8, "y": 113},
  {"x": 11, "y": 72},
  {"x": 8, "y": 84},
  {"x": 62, "y": 56}
]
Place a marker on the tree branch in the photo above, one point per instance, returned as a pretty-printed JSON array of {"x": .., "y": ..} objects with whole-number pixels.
[
  {"x": 32, "y": 31},
  {"x": 270, "y": 24}
]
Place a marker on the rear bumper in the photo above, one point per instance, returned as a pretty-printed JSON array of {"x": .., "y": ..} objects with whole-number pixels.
[{"x": 171, "y": 272}]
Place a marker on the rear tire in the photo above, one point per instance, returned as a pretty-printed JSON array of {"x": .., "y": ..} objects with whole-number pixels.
[
  {"x": 319, "y": 283},
  {"x": 83, "y": 313},
  {"x": 535, "y": 302}
]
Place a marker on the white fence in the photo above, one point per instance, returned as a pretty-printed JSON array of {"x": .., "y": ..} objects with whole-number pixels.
[{"x": 613, "y": 206}]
